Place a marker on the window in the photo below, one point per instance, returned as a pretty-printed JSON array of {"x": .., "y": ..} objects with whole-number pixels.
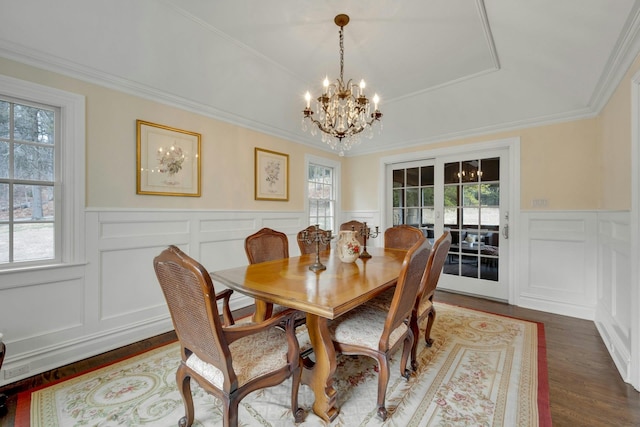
[
  {"x": 322, "y": 192},
  {"x": 27, "y": 182},
  {"x": 41, "y": 148}
]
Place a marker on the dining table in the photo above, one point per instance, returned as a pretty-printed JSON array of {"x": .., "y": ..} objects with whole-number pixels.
[{"x": 323, "y": 295}]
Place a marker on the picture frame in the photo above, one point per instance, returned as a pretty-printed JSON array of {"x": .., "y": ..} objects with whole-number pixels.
[
  {"x": 271, "y": 175},
  {"x": 168, "y": 160}
]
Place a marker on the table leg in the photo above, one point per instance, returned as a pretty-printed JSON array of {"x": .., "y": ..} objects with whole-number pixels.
[
  {"x": 263, "y": 311},
  {"x": 319, "y": 376}
]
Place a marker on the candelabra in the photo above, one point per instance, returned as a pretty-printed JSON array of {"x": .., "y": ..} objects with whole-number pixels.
[
  {"x": 366, "y": 233},
  {"x": 319, "y": 237}
]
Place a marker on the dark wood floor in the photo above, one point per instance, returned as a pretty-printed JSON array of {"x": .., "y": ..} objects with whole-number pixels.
[{"x": 585, "y": 388}]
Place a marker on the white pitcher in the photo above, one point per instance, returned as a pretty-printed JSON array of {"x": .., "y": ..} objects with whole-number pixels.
[{"x": 348, "y": 247}]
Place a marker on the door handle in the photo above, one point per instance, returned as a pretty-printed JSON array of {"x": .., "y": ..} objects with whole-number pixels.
[{"x": 505, "y": 231}]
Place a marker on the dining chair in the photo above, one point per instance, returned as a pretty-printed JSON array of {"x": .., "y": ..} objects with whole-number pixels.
[
  {"x": 376, "y": 333},
  {"x": 397, "y": 237},
  {"x": 267, "y": 245},
  {"x": 354, "y": 225},
  {"x": 401, "y": 236},
  {"x": 223, "y": 359},
  {"x": 424, "y": 302},
  {"x": 310, "y": 248}
]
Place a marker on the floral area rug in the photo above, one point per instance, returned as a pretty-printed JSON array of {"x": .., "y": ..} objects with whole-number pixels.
[{"x": 482, "y": 370}]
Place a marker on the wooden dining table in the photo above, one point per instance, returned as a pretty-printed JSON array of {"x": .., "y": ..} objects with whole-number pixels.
[{"x": 322, "y": 295}]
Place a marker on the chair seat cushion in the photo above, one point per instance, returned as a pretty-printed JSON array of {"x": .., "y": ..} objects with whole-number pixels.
[
  {"x": 425, "y": 305},
  {"x": 363, "y": 327},
  {"x": 252, "y": 356},
  {"x": 382, "y": 301}
]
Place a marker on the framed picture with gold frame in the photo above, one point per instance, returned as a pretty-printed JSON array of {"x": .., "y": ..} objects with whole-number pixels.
[
  {"x": 168, "y": 160},
  {"x": 271, "y": 175}
]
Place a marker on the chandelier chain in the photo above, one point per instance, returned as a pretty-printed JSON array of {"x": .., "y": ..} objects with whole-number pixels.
[{"x": 341, "y": 57}]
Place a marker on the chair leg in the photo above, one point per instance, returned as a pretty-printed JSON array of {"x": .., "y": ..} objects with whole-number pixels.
[
  {"x": 383, "y": 381},
  {"x": 298, "y": 413},
  {"x": 184, "y": 386},
  {"x": 406, "y": 350},
  {"x": 230, "y": 412},
  {"x": 415, "y": 329},
  {"x": 427, "y": 332}
]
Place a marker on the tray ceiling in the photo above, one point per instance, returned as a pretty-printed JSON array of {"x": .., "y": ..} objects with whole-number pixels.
[{"x": 443, "y": 68}]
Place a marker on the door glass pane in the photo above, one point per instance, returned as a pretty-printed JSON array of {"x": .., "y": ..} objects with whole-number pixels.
[
  {"x": 451, "y": 195},
  {"x": 398, "y": 198},
  {"x": 470, "y": 195},
  {"x": 489, "y": 218},
  {"x": 491, "y": 169},
  {"x": 452, "y": 173},
  {"x": 470, "y": 216},
  {"x": 470, "y": 171},
  {"x": 428, "y": 218},
  {"x": 427, "y": 196},
  {"x": 469, "y": 266},
  {"x": 413, "y": 177},
  {"x": 426, "y": 175},
  {"x": 398, "y": 178},
  {"x": 413, "y": 197},
  {"x": 413, "y": 217},
  {"x": 451, "y": 217},
  {"x": 398, "y": 216},
  {"x": 490, "y": 194}
]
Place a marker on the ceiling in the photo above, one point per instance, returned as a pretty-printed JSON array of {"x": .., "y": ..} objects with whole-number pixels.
[{"x": 443, "y": 68}]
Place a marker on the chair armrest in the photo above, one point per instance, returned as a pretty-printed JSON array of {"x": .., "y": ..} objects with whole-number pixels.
[
  {"x": 226, "y": 311},
  {"x": 236, "y": 332}
]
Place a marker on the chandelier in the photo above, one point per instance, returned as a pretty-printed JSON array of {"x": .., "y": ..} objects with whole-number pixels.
[{"x": 343, "y": 110}]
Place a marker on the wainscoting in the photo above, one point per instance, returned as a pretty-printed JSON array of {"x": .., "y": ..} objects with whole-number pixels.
[
  {"x": 578, "y": 264},
  {"x": 571, "y": 263},
  {"x": 615, "y": 303},
  {"x": 558, "y": 262}
]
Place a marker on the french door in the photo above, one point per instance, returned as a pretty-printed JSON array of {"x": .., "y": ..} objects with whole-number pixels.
[{"x": 461, "y": 194}]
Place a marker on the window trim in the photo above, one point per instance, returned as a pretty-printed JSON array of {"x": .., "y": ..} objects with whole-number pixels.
[
  {"x": 71, "y": 186},
  {"x": 323, "y": 161}
]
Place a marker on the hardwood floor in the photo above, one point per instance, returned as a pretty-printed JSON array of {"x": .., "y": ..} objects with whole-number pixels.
[{"x": 585, "y": 388}]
